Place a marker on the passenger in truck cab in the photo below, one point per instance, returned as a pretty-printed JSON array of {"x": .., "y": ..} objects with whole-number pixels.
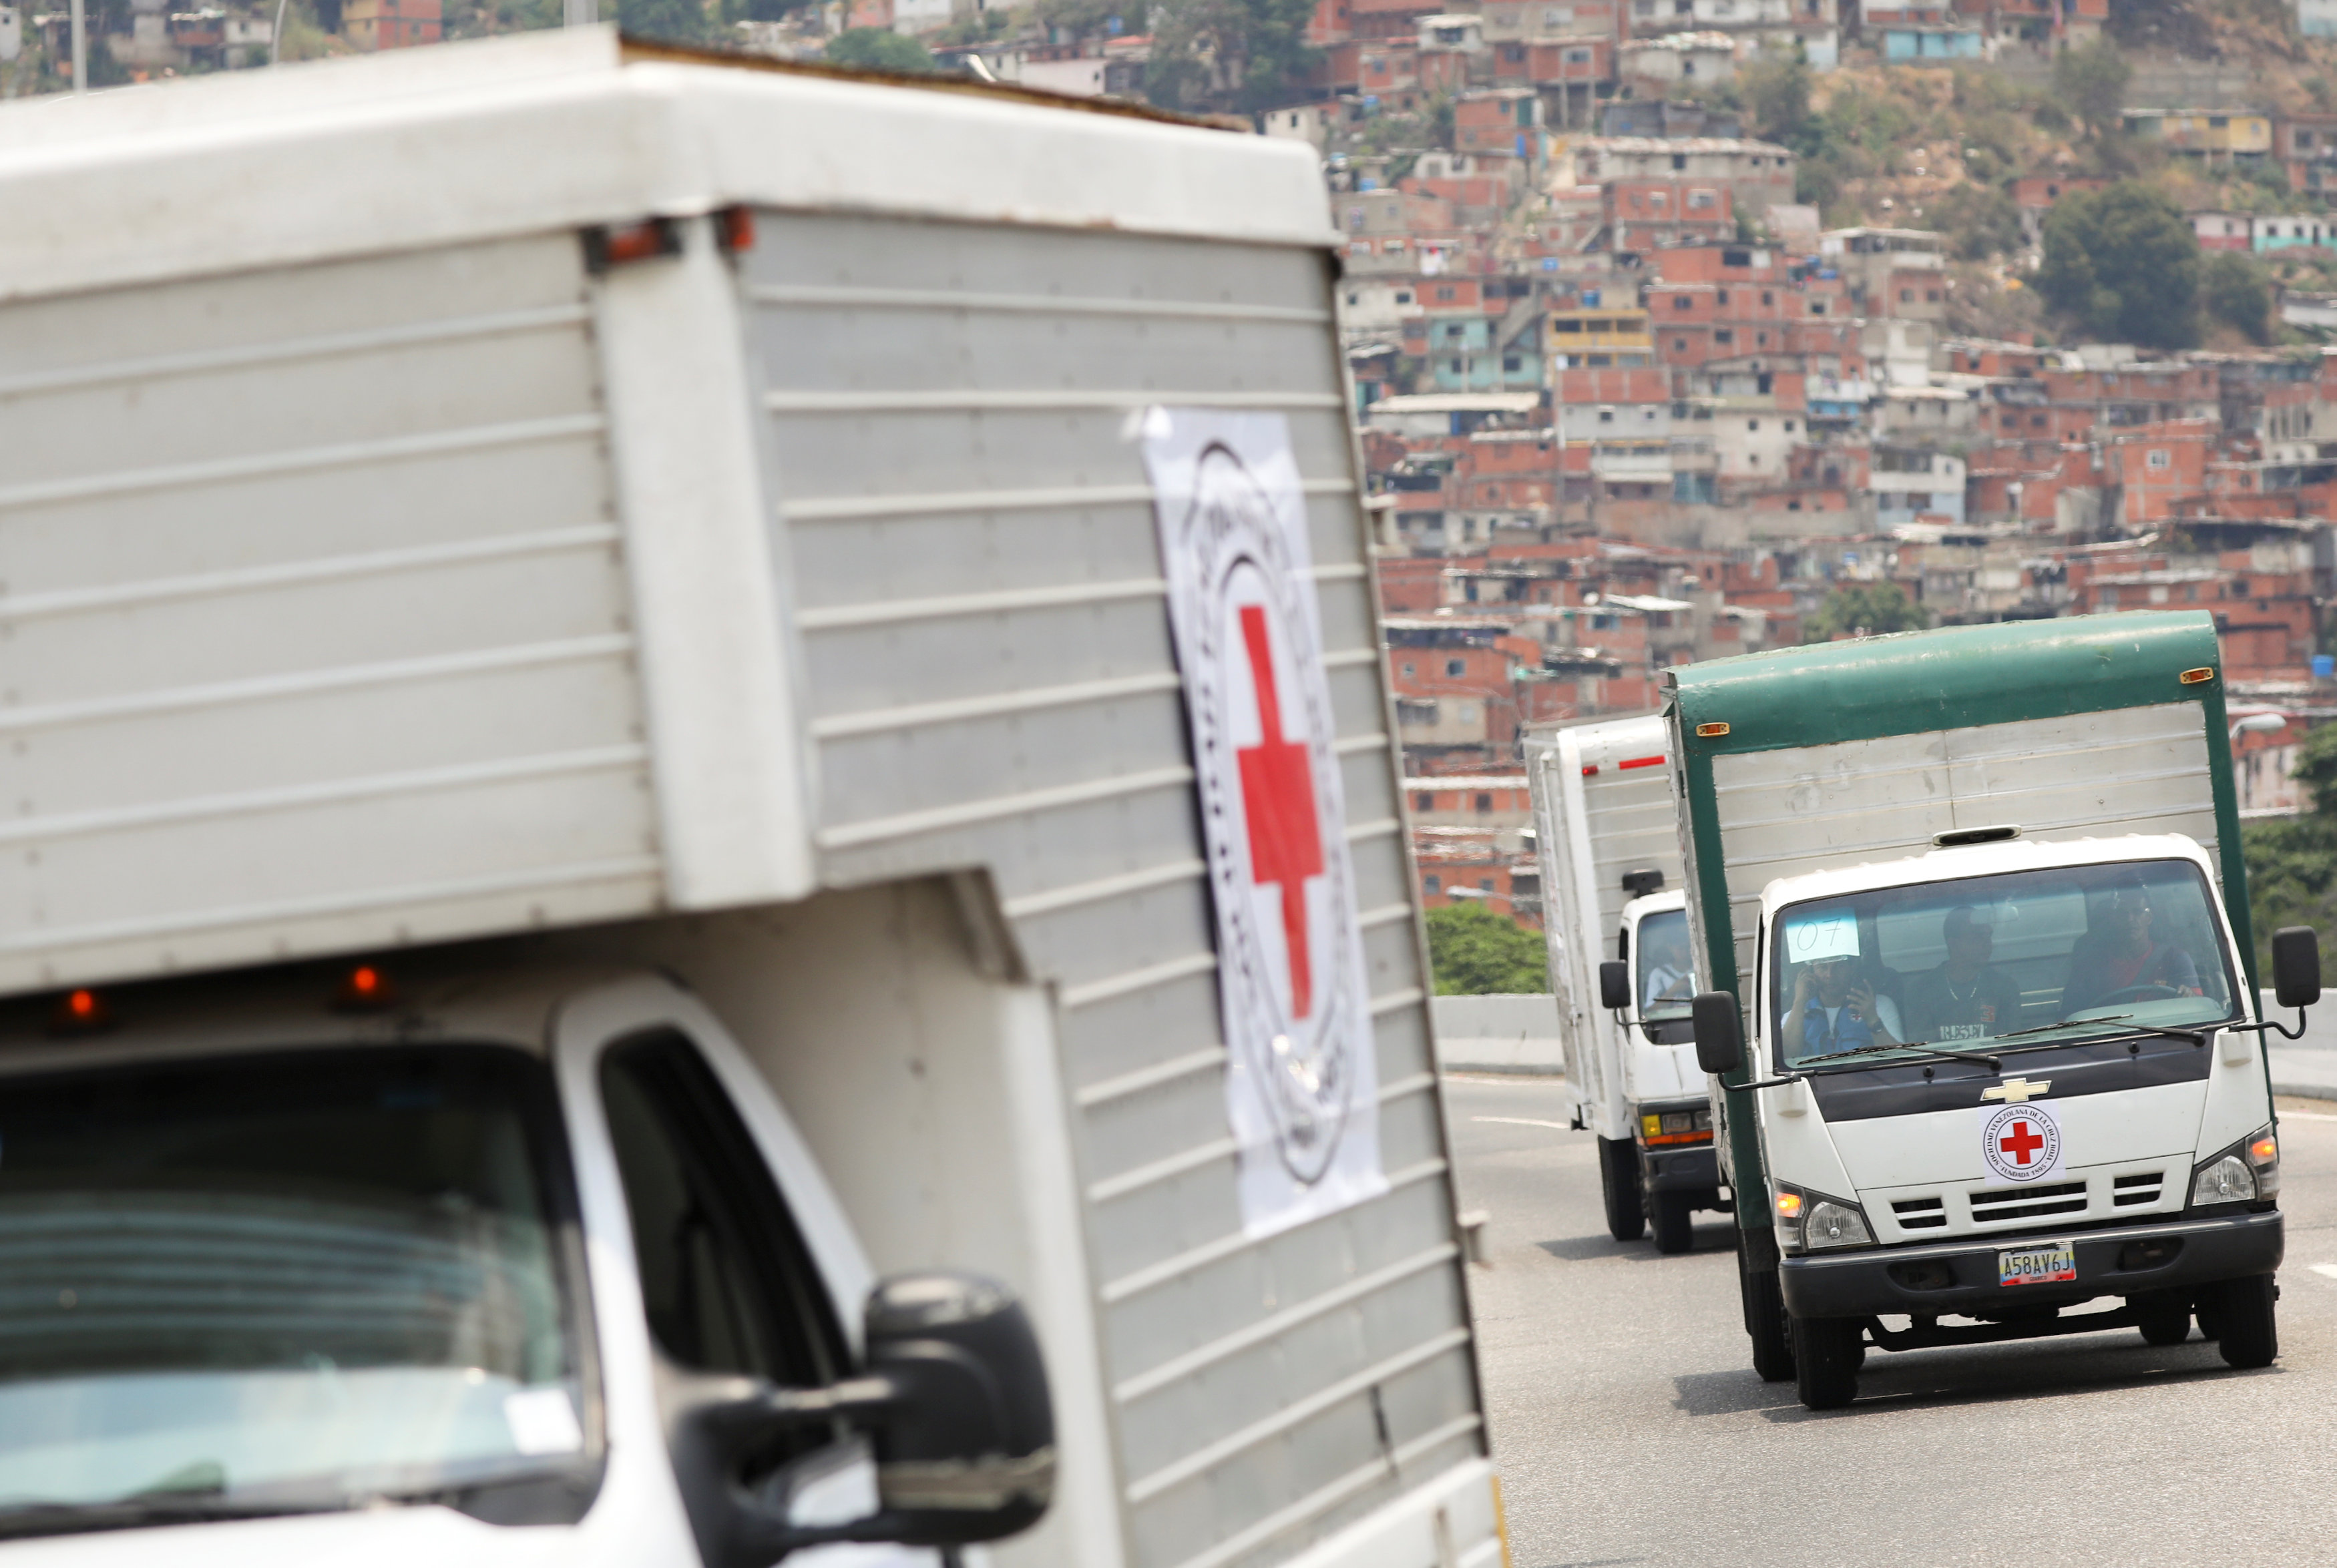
[
  {"x": 1835, "y": 1010},
  {"x": 2120, "y": 962},
  {"x": 1966, "y": 997}
]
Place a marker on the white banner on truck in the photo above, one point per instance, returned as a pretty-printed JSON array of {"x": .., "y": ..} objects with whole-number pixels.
[{"x": 1302, "y": 1087}]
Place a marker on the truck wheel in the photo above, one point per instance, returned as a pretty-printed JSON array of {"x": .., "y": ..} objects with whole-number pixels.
[
  {"x": 2248, "y": 1334},
  {"x": 1826, "y": 1355},
  {"x": 2165, "y": 1318},
  {"x": 1765, "y": 1320},
  {"x": 1619, "y": 1177},
  {"x": 1675, "y": 1222}
]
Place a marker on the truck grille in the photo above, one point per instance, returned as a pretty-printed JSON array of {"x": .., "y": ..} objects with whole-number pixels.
[
  {"x": 2142, "y": 1187},
  {"x": 1921, "y": 1213},
  {"x": 1999, "y": 1206}
]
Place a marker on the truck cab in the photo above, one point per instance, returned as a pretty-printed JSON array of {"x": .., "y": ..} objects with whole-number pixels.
[
  {"x": 482, "y": 1263},
  {"x": 1999, "y": 1081},
  {"x": 1666, "y": 1169}
]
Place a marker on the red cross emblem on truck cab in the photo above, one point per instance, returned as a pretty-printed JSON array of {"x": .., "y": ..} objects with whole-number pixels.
[
  {"x": 2019, "y": 1143},
  {"x": 2022, "y": 1142},
  {"x": 1277, "y": 785}
]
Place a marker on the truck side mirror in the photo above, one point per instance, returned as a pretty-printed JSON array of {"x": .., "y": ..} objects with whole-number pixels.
[
  {"x": 2296, "y": 966},
  {"x": 965, "y": 1450},
  {"x": 1720, "y": 1036},
  {"x": 1614, "y": 985},
  {"x": 952, "y": 1404}
]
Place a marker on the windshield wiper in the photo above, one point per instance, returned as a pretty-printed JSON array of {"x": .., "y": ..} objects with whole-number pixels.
[
  {"x": 2195, "y": 1036},
  {"x": 1988, "y": 1062},
  {"x": 150, "y": 1509}
]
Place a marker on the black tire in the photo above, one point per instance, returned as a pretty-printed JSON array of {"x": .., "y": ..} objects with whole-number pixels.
[
  {"x": 2166, "y": 1320},
  {"x": 1618, "y": 1179},
  {"x": 2249, "y": 1329},
  {"x": 1764, "y": 1321},
  {"x": 1675, "y": 1219},
  {"x": 1826, "y": 1355}
]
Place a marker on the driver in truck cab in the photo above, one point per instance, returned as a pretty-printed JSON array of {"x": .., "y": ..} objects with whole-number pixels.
[
  {"x": 1965, "y": 998},
  {"x": 1666, "y": 975},
  {"x": 1835, "y": 1009},
  {"x": 2111, "y": 961}
]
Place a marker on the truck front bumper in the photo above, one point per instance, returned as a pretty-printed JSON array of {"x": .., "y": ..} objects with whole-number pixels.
[
  {"x": 1671, "y": 1170},
  {"x": 1961, "y": 1276}
]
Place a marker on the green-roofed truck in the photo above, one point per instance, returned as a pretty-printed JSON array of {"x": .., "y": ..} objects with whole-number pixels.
[{"x": 1973, "y": 911}]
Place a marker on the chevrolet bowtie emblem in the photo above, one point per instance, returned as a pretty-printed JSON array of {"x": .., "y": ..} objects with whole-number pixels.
[{"x": 2013, "y": 1091}]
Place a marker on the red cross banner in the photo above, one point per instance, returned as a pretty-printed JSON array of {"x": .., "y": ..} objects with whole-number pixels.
[
  {"x": 2021, "y": 1144},
  {"x": 1302, "y": 1087}
]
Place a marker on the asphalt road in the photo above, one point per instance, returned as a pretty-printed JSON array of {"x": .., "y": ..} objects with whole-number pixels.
[{"x": 1630, "y": 1428}]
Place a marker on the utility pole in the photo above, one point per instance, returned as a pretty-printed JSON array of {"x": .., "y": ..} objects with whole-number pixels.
[
  {"x": 80, "y": 48},
  {"x": 578, "y": 12}
]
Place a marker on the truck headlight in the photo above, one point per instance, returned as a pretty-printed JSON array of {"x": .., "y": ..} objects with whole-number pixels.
[
  {"x": 1813, "y": 1223},
  {"x": 2225, "y": 1180},
  {"x": 1831, "y": 1224}
]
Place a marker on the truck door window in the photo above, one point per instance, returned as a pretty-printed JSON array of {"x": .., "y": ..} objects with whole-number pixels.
[
  {"x": 287, "y": 1281},
  {"x": 1667, "y": 975},
  {"x": 726, "y": 1279}
]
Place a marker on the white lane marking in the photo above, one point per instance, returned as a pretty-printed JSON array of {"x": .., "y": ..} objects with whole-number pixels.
[
  {"x": 1509, "y": 1080},
  {"x": 1524, "y": 1122},
  {"x": 2326, "y": 1270},
  {"x": 2305, "y": 1116}
]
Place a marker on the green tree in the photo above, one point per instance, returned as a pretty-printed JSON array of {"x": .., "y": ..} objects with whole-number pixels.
[
  {"x": 2091, "y": 82},
  {"x": 676, "y": 21},
  {"x": 1227, "y": 54},
  {"x": 1777, "y": 94},
  {"x": 2232, "y": 290},
  {"x": 1978, "y": 221},
  {"x": 1865, "y": 609},
  {"x": 1475, "y": 952},
  {"x": 2292, "y": 861},
  {"x": 878, "y": 49},
  {"x": 2124, "y": 264}
]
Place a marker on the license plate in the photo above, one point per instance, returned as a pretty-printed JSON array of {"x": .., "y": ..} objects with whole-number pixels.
[{"x": 2049, "y": 1264}]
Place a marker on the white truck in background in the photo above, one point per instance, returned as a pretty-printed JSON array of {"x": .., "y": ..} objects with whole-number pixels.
[
  {"x": 1615, "y": 914},
  {"x": 605, "y": 878}
]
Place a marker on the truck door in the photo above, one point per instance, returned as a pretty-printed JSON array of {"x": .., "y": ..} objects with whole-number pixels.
[{"x": 740, "y": 1264}]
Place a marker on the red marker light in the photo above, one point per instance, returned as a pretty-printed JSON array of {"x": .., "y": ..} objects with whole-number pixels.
[
  {"x": 620, "y": 244},
  {"x": 734, "y": 229},
  {"x": 80, "y": 1012},
  {"x": 1590, "y": 770},
  {"x": 365, "y": 989}
]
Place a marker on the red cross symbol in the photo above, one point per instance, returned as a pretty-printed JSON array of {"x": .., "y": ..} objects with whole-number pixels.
[
  {"x": 1285, "y": 843},
  {"x": 2022, "y": 1142}
]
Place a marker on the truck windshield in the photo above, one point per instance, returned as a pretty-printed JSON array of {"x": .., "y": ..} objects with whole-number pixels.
[
  {"x": 2071, "y": 951},
  {"x": 1667, "y": 977},
  {"x": 283, "y": 1282}
]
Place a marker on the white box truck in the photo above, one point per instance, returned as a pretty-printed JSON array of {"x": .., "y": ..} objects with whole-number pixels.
[
  {"x": 1974, "y": 913},
  {"x": 604, "y": 864},
  {"x": 1614, "y": 913}
]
